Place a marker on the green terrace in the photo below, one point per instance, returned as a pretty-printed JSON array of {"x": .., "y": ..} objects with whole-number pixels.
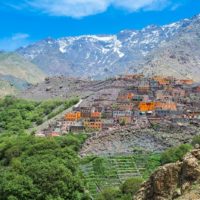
[{"x": 111, "y": 171}]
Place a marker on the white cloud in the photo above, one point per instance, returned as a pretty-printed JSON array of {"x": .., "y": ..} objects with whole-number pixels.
[
  {"x": 20, "y": 36},
  {"x": 82, "y": 8},
  {"x": 14, "y": 41},
  {"x": 132, "y": 5}
]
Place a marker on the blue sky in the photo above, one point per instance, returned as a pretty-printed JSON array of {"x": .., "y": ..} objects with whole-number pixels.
[{"x": 25, "y": 21}]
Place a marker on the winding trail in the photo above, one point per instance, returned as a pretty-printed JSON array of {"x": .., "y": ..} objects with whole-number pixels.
[{"x": 46, "y": 124}]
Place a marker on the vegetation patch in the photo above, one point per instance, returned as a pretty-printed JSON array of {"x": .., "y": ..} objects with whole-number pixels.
[
  {"x": 40, "y": 168},
  {"x": 17, "y": 115},
  {"x": 113, "y": 173},
  {"x": 175, "y": 153}
]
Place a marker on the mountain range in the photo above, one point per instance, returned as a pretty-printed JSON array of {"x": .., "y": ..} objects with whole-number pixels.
[
  {"x": 168, "y": 50},
  {"x": 171, "y": 49}
]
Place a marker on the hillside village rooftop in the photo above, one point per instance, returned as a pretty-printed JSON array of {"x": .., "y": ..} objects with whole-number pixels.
[{"x": 156, "y": 98}]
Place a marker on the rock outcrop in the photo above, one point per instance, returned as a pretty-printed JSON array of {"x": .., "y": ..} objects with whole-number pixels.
[{"x": 180, "y": 180}]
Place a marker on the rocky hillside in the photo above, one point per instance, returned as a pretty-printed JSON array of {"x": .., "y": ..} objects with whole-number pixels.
[
  {"x": 141, "y": 135},
  {"x": 180, "y": 180},
  {"x": 180, "y": 56},
  {"x": 107, "y": 55},
  {"x": 16, "y": 73},
  {"x": 64, "y": 87}
]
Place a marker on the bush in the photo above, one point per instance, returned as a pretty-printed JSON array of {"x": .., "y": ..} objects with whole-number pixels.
[
  {"x": 39, "y": 121},
  {"x": 196, "y": 140},
  {"x": 175, "y": 153},
  {"x": 110, "y": 194},
  {"x": 153, "y": 161},
  {"x": 131, "y": 186}
]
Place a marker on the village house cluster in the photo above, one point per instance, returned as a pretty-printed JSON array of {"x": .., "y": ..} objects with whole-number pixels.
[{"x": 157, "y": 98}]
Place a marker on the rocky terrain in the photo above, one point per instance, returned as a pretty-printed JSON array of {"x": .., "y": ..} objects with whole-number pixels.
[
  {"x": 170, "y": 49},
  {"x": 16, "y": 73},
  {"x": 63, "y": 87},
  {"x": 180, "y": 180},
  {"x": 123, "y": 140}
]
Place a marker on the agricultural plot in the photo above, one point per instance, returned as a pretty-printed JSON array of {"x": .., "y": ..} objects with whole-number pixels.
[{"x": 112, "y": 171}]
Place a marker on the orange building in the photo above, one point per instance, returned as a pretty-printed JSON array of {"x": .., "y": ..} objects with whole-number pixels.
[
  {"x": 93, "y": 124},
  {"x": 166, "y": 106},
  {"x": 73, "y": 116},
  {"x": 95, "y": 115},
  {"x": 185, "y": 81},
  {"x": 161, "y": 80},
  {"x": 127, "y": 96},
  {"x": 147, "y": 106},
  {"x": 151, "y": 106}
]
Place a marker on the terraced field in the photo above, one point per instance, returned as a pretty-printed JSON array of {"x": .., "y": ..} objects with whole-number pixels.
[{"x": 112, "y": 171}]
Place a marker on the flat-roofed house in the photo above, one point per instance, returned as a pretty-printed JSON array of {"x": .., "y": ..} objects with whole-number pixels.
[
  {"x": 73, "y": 116},
  {"x": 123, "y": 115},
  {"x": 95, "y": 124}
]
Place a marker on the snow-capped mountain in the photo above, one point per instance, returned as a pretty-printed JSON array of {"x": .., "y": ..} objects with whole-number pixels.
[{"x": 100, "y": 56}]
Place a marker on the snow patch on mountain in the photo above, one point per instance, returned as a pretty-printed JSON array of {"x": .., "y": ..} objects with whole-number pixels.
[{"x": 102, "y": 55}]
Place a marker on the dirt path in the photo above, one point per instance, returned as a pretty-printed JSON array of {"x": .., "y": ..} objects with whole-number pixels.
[{"x": 46, "y": 124}]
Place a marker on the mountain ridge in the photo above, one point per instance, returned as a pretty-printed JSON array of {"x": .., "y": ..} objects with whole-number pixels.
[{"x": 102, "y": 56}]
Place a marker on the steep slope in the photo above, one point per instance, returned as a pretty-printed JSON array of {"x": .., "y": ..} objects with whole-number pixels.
[
  {"x": 179, "y": 181},
  {"x": 64, "y": 87},
  {"x": 100, "y": 56},
  {"x": 16, "y": 66},
  {"x": 16, "y": 73},
  {"x": 179, "y": 57},
  {"x": 6, "y": 88}
]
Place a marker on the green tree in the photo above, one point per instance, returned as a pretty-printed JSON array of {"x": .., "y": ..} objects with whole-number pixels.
[
  {"x": 40, "y": 168},
  {"x": 131, "y": 186},
  {"x": 175, "y": 153},
  {"x": 110, "y": 194}
]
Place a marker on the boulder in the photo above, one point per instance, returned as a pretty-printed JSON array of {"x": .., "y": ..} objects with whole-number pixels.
[{"x": 173, "y": 181}]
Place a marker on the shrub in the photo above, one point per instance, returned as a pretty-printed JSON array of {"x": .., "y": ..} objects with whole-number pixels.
[
  {"x": 175, "y": 153},
  {"x": 39, "y": 121},
  {"x": 196, "y": 140},
  {"x": 131, "y": 186},
  {"x": 109, "y": 194}
]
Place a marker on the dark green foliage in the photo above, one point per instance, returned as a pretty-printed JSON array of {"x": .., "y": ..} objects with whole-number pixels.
[
  {"x": 153, "y": 162},
  {"x": 125, "y": 192},
  {"x": 131, "y": 186},
  {"x": 196, "y": 140},
  {"x": 175, "y": 153},
  {"x": 17, "y": 115},
  {"x": 40, "y": 168},
  {"x": 110, "y": 194}
]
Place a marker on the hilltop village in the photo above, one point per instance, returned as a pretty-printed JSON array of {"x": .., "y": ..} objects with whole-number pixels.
[{"x": 156, "y": 101}]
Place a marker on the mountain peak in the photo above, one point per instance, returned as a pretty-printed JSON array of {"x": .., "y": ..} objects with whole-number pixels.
[{"x": 90, "y": 55}]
